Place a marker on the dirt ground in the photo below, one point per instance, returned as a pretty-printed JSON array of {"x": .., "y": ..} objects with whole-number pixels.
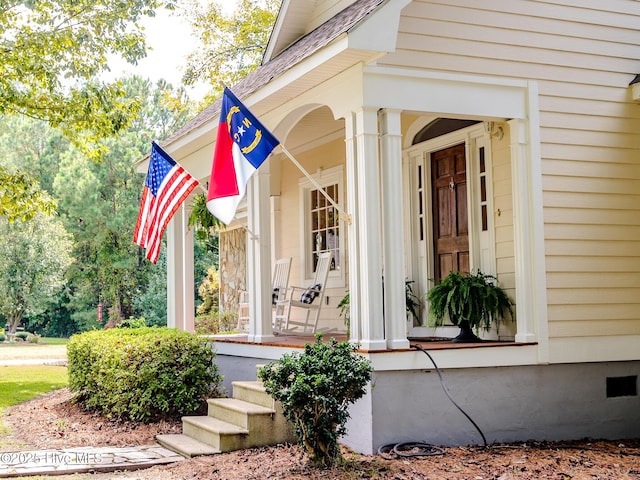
[{"x": 53, "y": 421}]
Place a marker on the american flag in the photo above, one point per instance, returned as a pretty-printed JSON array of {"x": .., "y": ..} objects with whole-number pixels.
[{"x": 166, "y": 187}]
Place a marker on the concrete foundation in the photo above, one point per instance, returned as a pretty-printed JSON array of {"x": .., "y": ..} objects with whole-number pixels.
[
  {"x": 550, "y": 402},
  {"x": 520, "y": 403}
]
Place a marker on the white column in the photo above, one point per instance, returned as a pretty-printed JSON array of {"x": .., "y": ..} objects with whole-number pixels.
[
  {"x": 180, "y": 277},
  {"x": 188, "y": 290},
  {"x": 174, "y": 279},
  {"x": 353, "y": 238},
  {"x": 369, "y": 248},
  {"x": 259, "y": 256},
  {"x": 395, "y": 317},
  {"x": 523, "y": 233}
]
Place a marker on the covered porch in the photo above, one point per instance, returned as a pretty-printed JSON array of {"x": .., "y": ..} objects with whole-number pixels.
[{"x": 367, "y": 142}]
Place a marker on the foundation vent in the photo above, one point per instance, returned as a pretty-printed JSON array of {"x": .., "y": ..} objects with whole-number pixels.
[{"x": 622, "y": 386}]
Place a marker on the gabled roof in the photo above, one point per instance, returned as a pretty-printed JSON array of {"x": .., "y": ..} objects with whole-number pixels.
[
  {"x": 303, "y": 48},
  {"x": 290, "y": 25}
]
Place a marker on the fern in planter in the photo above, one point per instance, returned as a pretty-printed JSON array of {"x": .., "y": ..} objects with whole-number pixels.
[{"x": 471, "y": 301}]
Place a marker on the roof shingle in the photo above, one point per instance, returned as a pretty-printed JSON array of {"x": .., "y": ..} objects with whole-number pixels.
[{"x": 298, "y": 51}]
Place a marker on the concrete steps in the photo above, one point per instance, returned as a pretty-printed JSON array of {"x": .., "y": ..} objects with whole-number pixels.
[
  {"x": 250, "y": 418},
  {"x": 185, "y": 445}
]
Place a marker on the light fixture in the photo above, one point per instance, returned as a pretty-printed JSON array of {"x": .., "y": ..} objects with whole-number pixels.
[{"x": 498, "y": 132}]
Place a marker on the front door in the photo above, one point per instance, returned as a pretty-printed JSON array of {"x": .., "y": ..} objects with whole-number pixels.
[{"x": 450, "y": 216}]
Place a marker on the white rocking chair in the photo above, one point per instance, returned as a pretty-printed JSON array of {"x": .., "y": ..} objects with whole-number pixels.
[
  {"x": 279, "y": 286},
  {"x": 309, "y": 299}
]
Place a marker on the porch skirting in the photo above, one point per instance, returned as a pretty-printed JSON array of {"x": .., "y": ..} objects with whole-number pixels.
[{"x": 509, "y": 403}]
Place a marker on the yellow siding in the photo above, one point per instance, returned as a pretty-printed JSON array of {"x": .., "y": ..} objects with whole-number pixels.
[
  {"x": 325, "y": 156},
  {"x": 583, "y": 54}
]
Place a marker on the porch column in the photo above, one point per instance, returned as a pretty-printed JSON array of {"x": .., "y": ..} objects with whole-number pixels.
[
  {"x": 180, "y": 278},
  {"x": 259, "y": 256},
  {"x": 368, "y": 224},
  {"x": 395, "y": 316},
  {"x": 353, "y": 238},
  {"x": 524, "y": 230}
]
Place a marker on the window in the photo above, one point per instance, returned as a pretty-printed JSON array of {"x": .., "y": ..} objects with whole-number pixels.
[{"x": 322, "y": 227}]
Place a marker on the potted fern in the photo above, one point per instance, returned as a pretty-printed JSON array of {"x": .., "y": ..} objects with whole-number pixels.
[{"x": 469, "y": 300}]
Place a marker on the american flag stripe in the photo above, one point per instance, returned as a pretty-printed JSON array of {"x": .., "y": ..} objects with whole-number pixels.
[
  {"x": 172, "y": 185},
  {"x": 141, "y": 224},
  {"x": 171, "y": 193}
]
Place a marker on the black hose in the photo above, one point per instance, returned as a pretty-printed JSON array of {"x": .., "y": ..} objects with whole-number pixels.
[
  {"x": 418, "y": 347},
  {"x": 411, "y": 449}
]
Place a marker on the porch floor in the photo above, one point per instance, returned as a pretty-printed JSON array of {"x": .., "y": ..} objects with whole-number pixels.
[{"x": 299, "y": 341}]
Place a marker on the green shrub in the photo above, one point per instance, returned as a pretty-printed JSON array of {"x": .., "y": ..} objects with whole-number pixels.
[
  {"x": 3, "y": 337},
  {"x": 132, "y": 322},
  {"x": 22, "y": 335},
  {"x": 141, "y": 373},
  {"x": 33, "y": 338},
  {"x": 215, "y": 322},
  {"x": 315, "y": 389}
]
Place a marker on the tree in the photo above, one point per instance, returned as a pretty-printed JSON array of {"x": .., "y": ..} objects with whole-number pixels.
[
  {"x": 53, "y": 52},
  {"x": 102, "y": 207},
  {"x": 34, "y": 256},
  {"x": 29, "y": 150},
  {"x": 150, "y": 302},
  {"x": 32, "y": 147},
  {"x": 21, "y": 197},
  {"x": 232, "y": 45}
]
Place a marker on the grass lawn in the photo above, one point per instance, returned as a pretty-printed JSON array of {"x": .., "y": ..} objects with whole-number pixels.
[
  {"x": 24, "y": 382},
  {"x": 53, "y": 341}
]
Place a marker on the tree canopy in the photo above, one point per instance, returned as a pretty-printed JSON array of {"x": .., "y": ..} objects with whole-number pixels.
[
  {"x": 21, "y": 197},
  {"x": 53, "y": 52},
  {"x": 231, "y": 45},
  {"x": 34, "y": 257}
]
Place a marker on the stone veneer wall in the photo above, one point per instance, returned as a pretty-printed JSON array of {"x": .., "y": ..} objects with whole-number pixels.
[{"x": 233, "y": 268}]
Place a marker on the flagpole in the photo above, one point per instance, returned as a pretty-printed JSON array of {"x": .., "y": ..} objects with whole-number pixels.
[{"x": 344, "y": 215}]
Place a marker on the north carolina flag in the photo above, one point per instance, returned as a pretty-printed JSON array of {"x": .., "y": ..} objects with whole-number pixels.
[
  {"x": 242, "y": 144},
  {"x": 166, "y": 187}
]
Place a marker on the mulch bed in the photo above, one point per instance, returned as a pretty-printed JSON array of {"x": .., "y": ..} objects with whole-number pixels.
[{"x": 53, "y": 421}]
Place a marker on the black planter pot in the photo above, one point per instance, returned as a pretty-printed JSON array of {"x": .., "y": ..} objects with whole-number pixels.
[{"x": 466, "y": 334}]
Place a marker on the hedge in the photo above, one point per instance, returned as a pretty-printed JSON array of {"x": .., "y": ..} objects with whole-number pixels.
[{"x": 142, "y": 374}]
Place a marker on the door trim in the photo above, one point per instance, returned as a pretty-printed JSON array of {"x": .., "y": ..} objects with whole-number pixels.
[{"x": 420, "y": 253}]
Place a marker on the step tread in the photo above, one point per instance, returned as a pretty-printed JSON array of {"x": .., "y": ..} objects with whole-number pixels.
[
  {"x": 214, "y": 425},
  {"x": 185, "y": 445},
  {"x": 241, "y": 406},
  {"x": 250, "y": 384}
]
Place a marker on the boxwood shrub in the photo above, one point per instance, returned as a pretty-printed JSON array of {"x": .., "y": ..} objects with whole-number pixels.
[
  {"x": 141, "y": 374},
  {"x": 22, "y": 335}
]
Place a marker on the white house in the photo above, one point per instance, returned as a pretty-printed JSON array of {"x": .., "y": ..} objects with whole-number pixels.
[{"x": 524, "y": 109}]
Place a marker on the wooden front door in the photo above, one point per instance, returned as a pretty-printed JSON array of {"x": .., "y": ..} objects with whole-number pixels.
[{"x": 450, "y": 219}]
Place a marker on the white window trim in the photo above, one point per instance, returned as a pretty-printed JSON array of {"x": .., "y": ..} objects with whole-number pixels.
[{"x": 324, "y": 178}]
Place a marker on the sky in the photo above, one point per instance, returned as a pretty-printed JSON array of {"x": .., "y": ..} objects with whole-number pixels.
[{"x": 170, "y": 41}]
